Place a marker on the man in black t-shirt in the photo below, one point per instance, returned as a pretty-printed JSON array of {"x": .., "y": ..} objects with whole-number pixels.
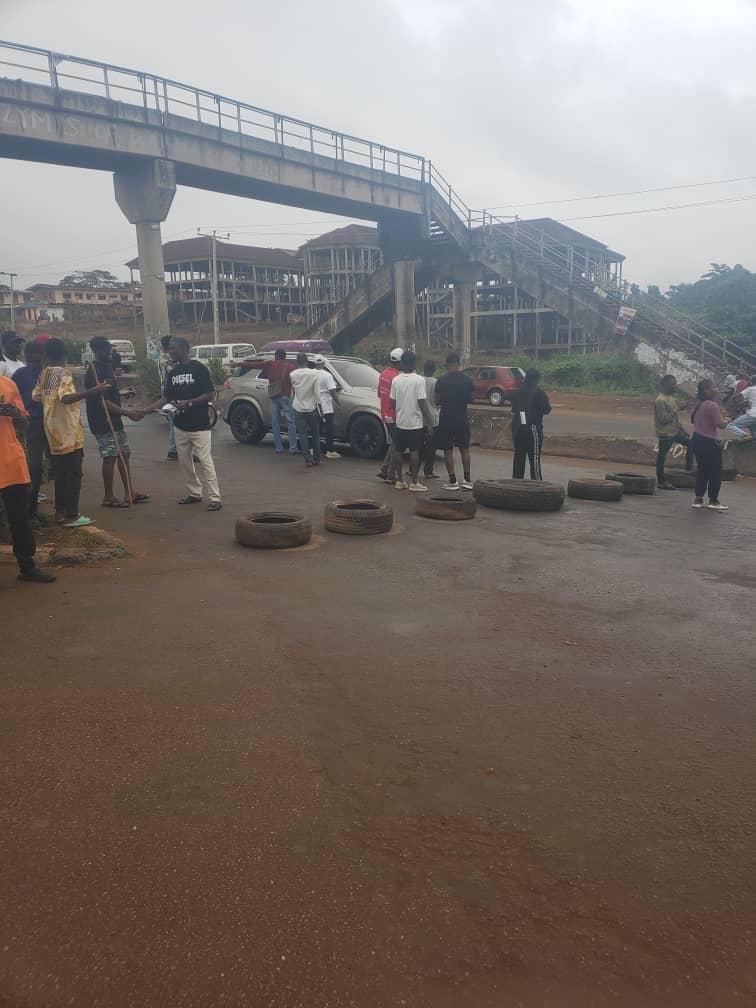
[
  {"x": 530, "y": 405},
  {"x": 189, "y": 389},
  {"x": 112, "y": 444},
  {"x": 453, "y": 394}
]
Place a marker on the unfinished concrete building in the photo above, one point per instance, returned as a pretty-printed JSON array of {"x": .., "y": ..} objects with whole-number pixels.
[
  {"x": 335, "y": 264},
  {"x": 254, "y": 284}
]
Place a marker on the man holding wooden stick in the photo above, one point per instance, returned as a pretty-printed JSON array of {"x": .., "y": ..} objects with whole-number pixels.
[{"x": 104, "y": 415}]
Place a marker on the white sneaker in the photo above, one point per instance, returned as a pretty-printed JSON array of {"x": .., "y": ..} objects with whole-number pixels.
[
  {"x": 418, "y": 487},
  {"x": 717, "y": 507},
  {"x": 399, "y": 485},
  {"x": 450, "y": 486},
  {"x": 698, "y": 504},
  {"x": 332, "y": 455},
  {"x": 466, "y": 484}
]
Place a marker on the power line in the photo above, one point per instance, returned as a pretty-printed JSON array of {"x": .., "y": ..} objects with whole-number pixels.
[
  {"x": 617, "y": 195},
  {"x": 673, "y": 206}
]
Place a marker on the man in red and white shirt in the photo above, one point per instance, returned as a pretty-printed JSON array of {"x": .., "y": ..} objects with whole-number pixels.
[{"x": 387, "y": 471}]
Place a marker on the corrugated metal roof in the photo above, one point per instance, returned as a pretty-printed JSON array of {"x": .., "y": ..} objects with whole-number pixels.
[
  {"x": 360, "y": 235},
  {"x": 200, "y": 248}
]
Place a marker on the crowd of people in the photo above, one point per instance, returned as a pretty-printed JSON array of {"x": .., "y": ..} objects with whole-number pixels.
[{"x": 40, "y": 425}]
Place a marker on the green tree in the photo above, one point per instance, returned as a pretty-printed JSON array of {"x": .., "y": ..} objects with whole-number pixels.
[
  {"x": 724, "y": 298},
  {"x": 92, "y": 278}
]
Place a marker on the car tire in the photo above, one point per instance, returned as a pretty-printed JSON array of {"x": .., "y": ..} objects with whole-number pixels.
[
  {"x": 367, "y": 437},
  {"x": 595, "y": 489},
  {"x": 496, "y": 397},
  {"x": 681, "y": 479},
  {"x": 273, "y": 530},
  {"x": 446, "y": 508},
  {"x": 358, "y": 517},
  {"x": 245, "y": 423},
  {"x": 634, "y": 483},
  {"x": 519, "y": 495}
]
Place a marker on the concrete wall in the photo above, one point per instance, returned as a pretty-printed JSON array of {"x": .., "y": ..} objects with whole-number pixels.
[{"x": 495, "y": 432}]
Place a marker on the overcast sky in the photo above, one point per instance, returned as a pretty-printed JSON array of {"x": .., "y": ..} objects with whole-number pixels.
[{"x": 519, "y": 103}]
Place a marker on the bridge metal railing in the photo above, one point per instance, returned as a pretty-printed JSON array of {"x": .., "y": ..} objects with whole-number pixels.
[{"x": 169, "y": 97}]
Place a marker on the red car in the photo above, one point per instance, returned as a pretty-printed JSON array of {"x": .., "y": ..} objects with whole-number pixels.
[{"x": 494, "y": 384}]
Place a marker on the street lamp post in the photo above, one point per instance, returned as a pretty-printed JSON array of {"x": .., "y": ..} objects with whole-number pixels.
[{"x": 214, "y": 283}]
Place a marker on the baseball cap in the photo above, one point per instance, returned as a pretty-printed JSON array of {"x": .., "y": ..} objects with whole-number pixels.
[
  {"x": 396, "y": 354},
  {"x": 318, "y": 359}
]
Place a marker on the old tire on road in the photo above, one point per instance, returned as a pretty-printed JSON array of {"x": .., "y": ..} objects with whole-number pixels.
[
  {"x": 681, "y": 479},
  {"x": 519, "y": 495},
  {"x": 273, "y": 530},
  {"x": 358, "y": 517},
  {"x": 634, "y": 483},
  {"x": 595, "y": 489},
  {"x": 446, "y": 508}
]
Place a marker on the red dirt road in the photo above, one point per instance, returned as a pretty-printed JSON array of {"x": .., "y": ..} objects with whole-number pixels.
[{"x": 506, "y": 763}]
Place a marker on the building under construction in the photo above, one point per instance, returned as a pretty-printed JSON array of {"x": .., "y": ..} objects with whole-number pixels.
[
  {"x": 254, "y": 284},
  {"x": 304, "y": 286},
  {"x": 335, "y": 264}
]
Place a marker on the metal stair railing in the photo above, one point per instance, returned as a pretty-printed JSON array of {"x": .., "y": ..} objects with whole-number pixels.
[{"x": 691, "y": 336}]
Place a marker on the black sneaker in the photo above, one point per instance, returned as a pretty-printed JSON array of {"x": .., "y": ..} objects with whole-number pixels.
[
  {"x": 38, "y": 575},
  {"x": 173, "y": 456}
]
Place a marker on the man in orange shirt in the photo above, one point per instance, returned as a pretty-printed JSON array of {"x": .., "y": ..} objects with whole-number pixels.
[{"x": 14, "y": 484}]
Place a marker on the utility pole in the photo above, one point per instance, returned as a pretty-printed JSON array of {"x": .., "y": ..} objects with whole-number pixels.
[
  {"x": 214, "y": 283},
  {"x": 12, "y": 306}
]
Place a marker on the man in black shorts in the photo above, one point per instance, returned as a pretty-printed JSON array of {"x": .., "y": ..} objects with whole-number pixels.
[
  {"x": 453, "y": 393},
  {"x": 413, "y": 419}
]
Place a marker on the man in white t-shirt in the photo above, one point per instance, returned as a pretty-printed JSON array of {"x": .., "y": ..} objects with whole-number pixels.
[
  {"x": 329, "y": 396},
  {"x": 746, "y": 423},
  {"x": 10, "y": 356},
  {"x": 413, "y": 419},
  {"x": 305, "y": 383}
]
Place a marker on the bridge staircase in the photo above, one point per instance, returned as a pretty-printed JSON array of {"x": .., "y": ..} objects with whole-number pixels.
[{"x": 588, "y": 293}]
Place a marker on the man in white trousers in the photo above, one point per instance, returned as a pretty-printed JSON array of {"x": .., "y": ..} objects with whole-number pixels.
[{"x": 190, "y": 389}]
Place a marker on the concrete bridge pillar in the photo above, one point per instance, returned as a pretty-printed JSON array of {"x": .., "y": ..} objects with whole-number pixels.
[
  {"x": 144, "y": 192},
  {"x": 462, "y": 320},
  {"x": 404, "y": 302}
]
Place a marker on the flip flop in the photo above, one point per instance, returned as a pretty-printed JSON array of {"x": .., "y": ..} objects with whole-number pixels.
[
  {"x": 115, "y": 504},
  {"x": 140, "y": 498}
]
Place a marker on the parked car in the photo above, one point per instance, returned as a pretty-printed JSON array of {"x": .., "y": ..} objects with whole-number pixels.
[
  {"x": 245, "y": 406},
  {"x": 123, "y": 347},
  {"x": 491, "y": 384},
  {"x": 227, "y": 353},
  {"x": 295, "y": 345}
]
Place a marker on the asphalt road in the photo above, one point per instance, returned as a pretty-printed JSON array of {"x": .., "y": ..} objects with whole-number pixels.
[{"x": 504, "y": 762}]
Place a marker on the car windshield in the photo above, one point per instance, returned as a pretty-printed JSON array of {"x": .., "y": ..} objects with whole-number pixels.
[{"x": 357, "y": 374}]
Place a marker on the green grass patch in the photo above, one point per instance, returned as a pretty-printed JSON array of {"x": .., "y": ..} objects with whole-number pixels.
[{"x": 596, "y": 372}]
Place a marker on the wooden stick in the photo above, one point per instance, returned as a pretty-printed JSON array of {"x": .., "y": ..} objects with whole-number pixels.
[{"x": 122, "y": 460}]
